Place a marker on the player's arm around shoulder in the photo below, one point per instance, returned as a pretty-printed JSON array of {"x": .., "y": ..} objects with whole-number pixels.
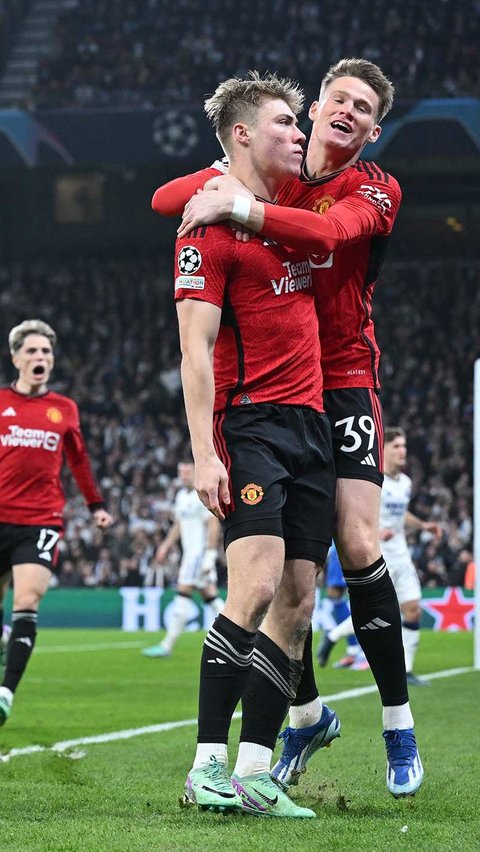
[
  {"x": 170, "y": 198},
  {"x": 367, "y": 206}
]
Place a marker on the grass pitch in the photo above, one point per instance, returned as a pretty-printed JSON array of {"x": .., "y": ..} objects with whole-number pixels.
[{"x": 120, "y": 794}]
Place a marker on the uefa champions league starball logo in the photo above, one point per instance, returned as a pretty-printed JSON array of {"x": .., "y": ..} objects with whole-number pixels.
[
  {"x": 175, "y": 133},
  {"x": 189, "y": 260}
]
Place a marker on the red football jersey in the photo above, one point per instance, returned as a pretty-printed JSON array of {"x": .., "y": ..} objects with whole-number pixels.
[
  {"x": 346, "y": 245},
  {"x": 35, "y": 433},
  {"x": 355, "y": 211},
  {"x": 268, "y": 347}
]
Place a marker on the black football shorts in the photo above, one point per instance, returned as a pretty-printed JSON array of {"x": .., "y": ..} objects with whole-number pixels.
[
  {"x": 356, "y": 421},
  {"x": 21, "y": 544},
  {"x": 282, "y": 476}
]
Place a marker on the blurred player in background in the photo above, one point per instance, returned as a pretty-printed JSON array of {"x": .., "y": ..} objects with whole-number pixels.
[
  {"x": 37, "y": 428},
  {"x": 394, "y": 518},
  {"x": 198, "y": 531},
  {"x": 349, "y": 208}
]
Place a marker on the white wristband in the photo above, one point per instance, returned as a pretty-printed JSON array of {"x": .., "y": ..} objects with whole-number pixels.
[{"x": 241, "y": 209}]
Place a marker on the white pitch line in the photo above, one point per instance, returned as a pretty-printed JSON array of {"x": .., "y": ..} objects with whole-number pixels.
[
  {"x": 101, "y": 646},
  {"x": 184, "y": 723}
]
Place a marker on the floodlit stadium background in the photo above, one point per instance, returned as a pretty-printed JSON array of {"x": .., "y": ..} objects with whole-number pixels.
[{"x": 99, "y": 104}]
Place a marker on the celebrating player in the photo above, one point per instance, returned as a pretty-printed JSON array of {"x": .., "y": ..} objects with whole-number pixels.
[
  {"x": 349, "y": 210},
  {"x": 198, "y": 531},
  {"x": 262, "y": 450},
  {"x": 37, "y": 427}
]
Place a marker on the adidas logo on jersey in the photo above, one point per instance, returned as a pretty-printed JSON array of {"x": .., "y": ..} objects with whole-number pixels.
[
  {"x": 9, "y": 412},
  {"x": 369, "y": 460}
]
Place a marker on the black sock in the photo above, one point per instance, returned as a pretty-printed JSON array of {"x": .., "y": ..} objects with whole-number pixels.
[
  {"x": 222, "y": 683},
  {"x": 20, "y": 646},
  {"x": 307, "y": 688},
  {"x": 378, "y": 628},
  {"x": 272, "y": 684}
]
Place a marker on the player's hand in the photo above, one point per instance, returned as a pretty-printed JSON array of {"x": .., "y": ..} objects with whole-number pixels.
[
  {"x": 385, "y": 533},
  {"x": 102, "y": 519},
  {"x": 205, "y": 208},
  {"x": 228, "y": 183},
  {"x": 211, "y": 484},
  {"x": 433, "y": 527},
  {"x": 242, "y": 233}
]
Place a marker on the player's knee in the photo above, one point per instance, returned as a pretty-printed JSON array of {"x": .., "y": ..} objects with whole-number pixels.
[
  {"x": 359, "y": 550},
  {"x": 263, "y": 592},
  {"x": 27, "y": 601},
  {"x": 252, "y": 606}
]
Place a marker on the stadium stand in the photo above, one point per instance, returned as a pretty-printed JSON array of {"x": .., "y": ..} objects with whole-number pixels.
[
  {"x": 145, "y": 53},
  {"x": 12, "y": 13},
  {"x": 118, "y": 358}
]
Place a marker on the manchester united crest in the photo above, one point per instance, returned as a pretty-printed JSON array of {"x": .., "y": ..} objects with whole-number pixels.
[
  {"x": 54, "y": 415},
  {"x": 252, "y": 494},
  {"x": 322, "y": 204}
]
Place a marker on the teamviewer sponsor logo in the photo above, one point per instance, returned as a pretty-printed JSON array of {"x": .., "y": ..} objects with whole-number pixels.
[
  {"x": 35, "y": 438},
  {"x": 298, "y": 277}
]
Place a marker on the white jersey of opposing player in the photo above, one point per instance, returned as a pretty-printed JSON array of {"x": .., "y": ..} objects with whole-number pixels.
[
  {"x": 394, "y": 503},
  {"x": 192, "y": 516}
]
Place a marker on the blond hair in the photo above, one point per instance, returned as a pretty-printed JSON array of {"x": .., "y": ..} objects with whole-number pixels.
[
  {"x": 370, "y": 73},
  {"x": 31, "y": 326},
  {"x": 238, "y": 99}
]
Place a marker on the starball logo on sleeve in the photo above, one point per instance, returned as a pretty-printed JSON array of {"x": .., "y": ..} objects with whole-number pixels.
[{"x": 189, "y": 262}]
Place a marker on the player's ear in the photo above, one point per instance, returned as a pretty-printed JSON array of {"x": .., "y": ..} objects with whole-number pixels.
[
  {"x": 15, "y": 360},
  {"x": 241, "y": 133},
  {"x": 375, "y": 133},
  {"x": 312, "y": 112}
]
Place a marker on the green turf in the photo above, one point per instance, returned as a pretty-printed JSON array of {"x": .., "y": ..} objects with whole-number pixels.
[{"x": 123, "y": 796}]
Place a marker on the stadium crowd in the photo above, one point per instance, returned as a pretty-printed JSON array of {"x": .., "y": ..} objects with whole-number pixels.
[
  {"x": 148, "y": 53},
  {"x": 12, "y": 13},
  {"x": 118, "y": 357}
]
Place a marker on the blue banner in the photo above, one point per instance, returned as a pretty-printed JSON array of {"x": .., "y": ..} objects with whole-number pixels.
[{"x": 179, "y": 138}]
